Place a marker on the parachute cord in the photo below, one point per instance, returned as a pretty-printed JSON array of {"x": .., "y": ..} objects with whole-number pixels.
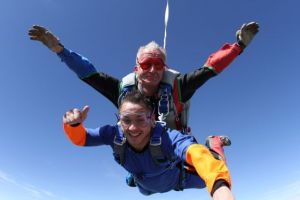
[{"x": 166, "y": 23}]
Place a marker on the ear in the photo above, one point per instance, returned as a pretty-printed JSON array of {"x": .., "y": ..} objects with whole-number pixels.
[{"x": 136, "y": 68}]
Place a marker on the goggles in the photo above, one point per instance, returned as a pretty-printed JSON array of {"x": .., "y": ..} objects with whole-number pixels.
[
  {"x": 147, "y": 63},
  {"x": 138, "y": 119}
]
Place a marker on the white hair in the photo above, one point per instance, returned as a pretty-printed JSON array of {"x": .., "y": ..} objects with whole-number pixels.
[{"x": 152, "y": 45}]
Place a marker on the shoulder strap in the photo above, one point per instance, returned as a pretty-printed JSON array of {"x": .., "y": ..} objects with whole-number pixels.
[
  {"x": 170, "y": 93},
  {"x": 165, "y": 92},
  {"x": 169, "y": 76},
  {"x": 155, "y": 145},
  {"x": 128, "y": 82},
  {"x": 167, "y": 98},
  {"x": 119, "y": 146}
]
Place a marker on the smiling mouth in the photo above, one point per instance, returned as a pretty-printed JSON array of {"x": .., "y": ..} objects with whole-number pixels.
[{"x": 135, "y": 135}]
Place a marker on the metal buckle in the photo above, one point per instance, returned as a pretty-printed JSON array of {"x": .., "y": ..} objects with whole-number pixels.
[
  {"x": 155, "y": 144},
  {"x": 119, "y": 142}
]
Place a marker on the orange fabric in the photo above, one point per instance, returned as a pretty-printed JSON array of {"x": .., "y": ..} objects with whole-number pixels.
[
  {"x": 76, "y": 134},
  {"x": 207, "y": 167}
]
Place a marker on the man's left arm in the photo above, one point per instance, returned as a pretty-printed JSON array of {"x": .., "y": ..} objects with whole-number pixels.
[{"x": 217, "y": 61}]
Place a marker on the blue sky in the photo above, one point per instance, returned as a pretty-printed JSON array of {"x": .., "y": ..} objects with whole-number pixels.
[{"x": 255, "y": 101}]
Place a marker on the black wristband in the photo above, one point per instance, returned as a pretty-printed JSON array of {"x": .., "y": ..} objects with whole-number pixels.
[
  {"x": 75, "y": 125},
  {"x": 219, "y": 183},
  {"x": 241, "y": 44}
]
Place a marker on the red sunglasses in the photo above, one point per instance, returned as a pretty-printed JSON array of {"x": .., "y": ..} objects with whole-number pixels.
[{"x": 147, "y": 64}]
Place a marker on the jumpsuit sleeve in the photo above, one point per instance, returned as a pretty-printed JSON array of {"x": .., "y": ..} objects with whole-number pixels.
[
  {"x": 215, "y": 63},
  {"x": 76, "y": 134},
  {"x": 82, "y": 136},
  {"x": 105, "y": 84},
  {"x": 208, "y": 168},
  {"x": 223, "y": 57}
]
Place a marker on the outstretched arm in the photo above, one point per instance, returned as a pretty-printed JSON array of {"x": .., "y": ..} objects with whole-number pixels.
[
  {"x": 43, "y": 35},
  {"x": 107, "y": 85},
  {"x": 221, "y": 59},
  {"x": 214, "y": 172},
  {"x": 84, "y": 69},
  {"x": 217, "y": 61},
  {"x": 77, "y": 63}
]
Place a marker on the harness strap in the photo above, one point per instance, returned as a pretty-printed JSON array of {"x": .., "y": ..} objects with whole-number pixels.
[
  {"x": 123, "y": 93},
  {"x": 178, "y": 105},
  {"x": 182, "y": 176},
  {"x": 163, "y": 104},
  {"x": 155, "y": 145},
  {"x": 128, "y": 82},
  {"x": 170, "y": 108},
  {"x": 177, "y": 96},
  {"x": 119, "y": 146}
]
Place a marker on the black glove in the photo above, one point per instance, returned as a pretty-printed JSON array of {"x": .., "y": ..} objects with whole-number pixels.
[{"x": 41, "y": 34}]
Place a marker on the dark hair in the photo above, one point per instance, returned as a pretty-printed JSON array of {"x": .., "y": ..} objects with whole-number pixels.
[{"x": 135, "y": 96}]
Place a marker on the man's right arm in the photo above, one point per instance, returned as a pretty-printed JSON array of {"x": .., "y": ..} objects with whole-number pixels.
[
  {"x": 105, "y": 84},
  {"x": 80, "y": 136}
]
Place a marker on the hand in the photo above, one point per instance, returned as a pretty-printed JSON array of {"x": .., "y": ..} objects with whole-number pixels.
[
  {"x": 41, "y": 34},
  {"x": 75, "y": 116},
  {"x": 246, "y": 33}
]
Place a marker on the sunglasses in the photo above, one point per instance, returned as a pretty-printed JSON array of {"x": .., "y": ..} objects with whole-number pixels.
[{"x": 148, "y": 63}]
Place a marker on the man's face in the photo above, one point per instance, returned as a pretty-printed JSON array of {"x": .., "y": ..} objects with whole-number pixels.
[
  {"x": 136, "y": 122},
  {"x": 150, "y": 68}
]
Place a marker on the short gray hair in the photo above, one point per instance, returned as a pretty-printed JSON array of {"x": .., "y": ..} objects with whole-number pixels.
[{"x": 152, "y": 45}]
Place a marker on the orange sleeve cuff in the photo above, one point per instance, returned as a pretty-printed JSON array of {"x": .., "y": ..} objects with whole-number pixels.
[
  {"x": 207, "y": 167},
  {"x": 76, "y": 134}
]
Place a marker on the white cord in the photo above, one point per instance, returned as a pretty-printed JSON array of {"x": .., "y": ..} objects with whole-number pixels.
[{"x": 166, "y": 23}]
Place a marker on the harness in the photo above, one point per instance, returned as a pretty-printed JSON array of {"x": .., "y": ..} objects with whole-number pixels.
[
  {"x": 154, "y": 146},
  {"x": 157, "y": 155},
  {"x": 172, "y": 112}
]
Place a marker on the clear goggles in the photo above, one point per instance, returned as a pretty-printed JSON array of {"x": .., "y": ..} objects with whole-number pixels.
[{"x": 141, "y": 119}]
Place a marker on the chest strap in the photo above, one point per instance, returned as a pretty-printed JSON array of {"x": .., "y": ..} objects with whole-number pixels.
[{"x": 154, "y": 146}]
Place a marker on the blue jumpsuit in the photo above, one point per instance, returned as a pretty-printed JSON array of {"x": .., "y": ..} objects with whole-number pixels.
[{"x": 149, "y": 176}]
